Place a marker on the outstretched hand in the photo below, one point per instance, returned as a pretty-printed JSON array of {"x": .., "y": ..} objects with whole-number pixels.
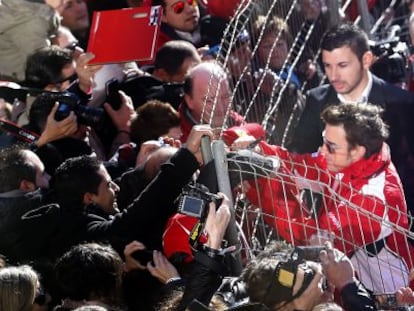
[{"x": 194, "y": 140}]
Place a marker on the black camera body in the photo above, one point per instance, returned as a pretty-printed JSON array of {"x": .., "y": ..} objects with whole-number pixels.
[
  {"x": 310, "y": 253},
  {"x": 195, "y": 201},
  {"x": 85, "y": 115},
  {"x": 143, "y": 256},
  {"x": 392, "y": 55}
]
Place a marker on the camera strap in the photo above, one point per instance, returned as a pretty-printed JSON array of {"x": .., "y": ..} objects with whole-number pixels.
[
  {"x": 198, "y": 236},
  {"x": 20, "y": 133}
]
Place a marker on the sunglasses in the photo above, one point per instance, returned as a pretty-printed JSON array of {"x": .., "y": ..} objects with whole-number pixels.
[
  {"x": 179, "y": 6},
  {"x": 330, "y": 146},
  {"x": 72, "y": 46}
]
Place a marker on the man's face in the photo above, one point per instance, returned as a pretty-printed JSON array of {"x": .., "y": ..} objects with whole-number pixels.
[
  {"x": 196, "y": 100},
  {"x": 106, "y": 195},
  {"x": 279, "y": 53},
  {"x": 182, "y": 15},
  {"x": 75, "y": 15},
  {"x": 240, "y": 58},
  {"x": 42, "y": 178},
  {"x": 187, "y": 64},
  {"x": 347, "y": 74},
  {"x": 335, "y": 148}
]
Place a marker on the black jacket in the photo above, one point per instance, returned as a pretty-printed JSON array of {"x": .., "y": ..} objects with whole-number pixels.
[
  {"x": 53, "y": 230},
  {"x": 13, "y": 205},
  {"x": 398, "y": 105}
]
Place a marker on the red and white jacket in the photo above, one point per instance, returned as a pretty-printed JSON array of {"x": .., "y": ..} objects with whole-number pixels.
[{"x": 362, "y": 204}]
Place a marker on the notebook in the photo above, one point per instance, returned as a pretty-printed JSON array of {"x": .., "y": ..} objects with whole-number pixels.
[{"x": 124, "y": 35}]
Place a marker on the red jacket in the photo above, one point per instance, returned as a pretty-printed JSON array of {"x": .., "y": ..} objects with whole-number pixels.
[{"x": 357, "y": 203}]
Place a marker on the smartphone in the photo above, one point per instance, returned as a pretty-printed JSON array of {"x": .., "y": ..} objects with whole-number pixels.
[{"x": 143, "y": 256}]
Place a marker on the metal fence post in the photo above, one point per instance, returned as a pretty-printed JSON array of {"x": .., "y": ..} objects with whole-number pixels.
[{"x": 220, "y": 160}]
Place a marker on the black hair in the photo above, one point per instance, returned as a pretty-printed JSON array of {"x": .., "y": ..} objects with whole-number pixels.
[
  {"x": 362, "y": 123},
  {"x": 75, "y": 177},
  {"x": 45, "y": 66},
  {"x": 172, "y": 54},
  {"x": 90, "y": 271},
  {"x": 346, "y": 34},
  {"x": 14, "y": 167}
]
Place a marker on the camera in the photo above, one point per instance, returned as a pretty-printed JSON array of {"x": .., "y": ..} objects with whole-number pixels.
[
  {"x": 311, "y": 253},
  {"x": 392, "y": 55},
  {"x": 70, "y": 102},
  {"x": 144, "y": 256},
  {"x": 195, "y": 199}
]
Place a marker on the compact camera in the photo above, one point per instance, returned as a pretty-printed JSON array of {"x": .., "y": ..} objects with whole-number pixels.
[
  {"x": 143, "y": 256},
  {"x": 310, "y": 253},
  {"x": 195, "y": 200},
  {"x": 69, "y": 102}
]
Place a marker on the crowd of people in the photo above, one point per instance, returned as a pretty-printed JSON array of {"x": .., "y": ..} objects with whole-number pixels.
[{"x": 94, "y": 159}]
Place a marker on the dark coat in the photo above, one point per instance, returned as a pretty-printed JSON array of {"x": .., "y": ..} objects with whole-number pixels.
[
  {"x": 53, "y": 230},
  {"x": 13, "y": 205}
]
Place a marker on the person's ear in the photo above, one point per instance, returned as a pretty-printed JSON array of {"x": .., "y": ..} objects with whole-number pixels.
[
  {"x": 161, "y": 74},
  {"x": 189, "y": 101},
  {"x": 27, "y": 186},
  {"x": 357, "y": 153},
  {"x": 88, "y": 198},
  {"x": 367, "y": 59}
]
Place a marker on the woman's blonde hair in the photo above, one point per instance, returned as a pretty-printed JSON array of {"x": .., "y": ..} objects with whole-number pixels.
[{"x": 18, "y": 287}]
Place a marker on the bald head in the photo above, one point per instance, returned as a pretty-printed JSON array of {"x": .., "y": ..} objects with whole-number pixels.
[
  {"x": 207, "y": 93},
  {"x": 156, "y": 159}
]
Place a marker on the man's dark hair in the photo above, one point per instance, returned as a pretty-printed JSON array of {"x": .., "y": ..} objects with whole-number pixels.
[
  {"x": 260, "y": 272},
  {"x": 14, "y": 167},
  {"x": 90, "y": 271},
  {"x": 346, "y": 34},
  {"x": 172, "y": 54},
  {"x": 45, "y": 66},
  {"x": 73, "y": 178},
  {"x": 362, "y": 123}
]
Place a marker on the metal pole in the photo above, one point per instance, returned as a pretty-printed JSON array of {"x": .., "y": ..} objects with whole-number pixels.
[
  {"x": 365, "y": 17},
  {"x": 220, "y": 160},
  {"x": 333, "y": 9}
]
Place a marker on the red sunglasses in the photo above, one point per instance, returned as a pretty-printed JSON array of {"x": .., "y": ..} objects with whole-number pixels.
[{"x": 178, "y": 7}]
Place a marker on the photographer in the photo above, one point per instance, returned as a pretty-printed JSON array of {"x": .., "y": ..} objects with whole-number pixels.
[
  {"x": 79, "y": 142},
  {"x": 207, "y": 269},
  {"x": 283, "y": 279},
  {"x": 59, "y": 228}
]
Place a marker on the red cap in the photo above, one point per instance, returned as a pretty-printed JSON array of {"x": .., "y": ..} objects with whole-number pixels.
[
  {"x": 252, "y": 129},
  {"x": 176, "y": 234}
]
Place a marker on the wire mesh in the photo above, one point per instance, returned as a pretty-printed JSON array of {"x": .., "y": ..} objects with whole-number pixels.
[{"x": 272, "y": 204}]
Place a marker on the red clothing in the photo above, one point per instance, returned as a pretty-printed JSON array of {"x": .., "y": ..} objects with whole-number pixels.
[{"x": 357, "y": 203}]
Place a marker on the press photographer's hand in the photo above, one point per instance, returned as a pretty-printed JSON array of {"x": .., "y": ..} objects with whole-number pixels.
[
  {"x": 161, "y": 268},
  {"x": 337, "y": 267},
  {"x": 122, "y": 117},
  {"x": 130, "y": 262},
  {"x": 194, "y": 140},
  {"x": 217, "y": 221},
  {"x": 55, "y": 130}
]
